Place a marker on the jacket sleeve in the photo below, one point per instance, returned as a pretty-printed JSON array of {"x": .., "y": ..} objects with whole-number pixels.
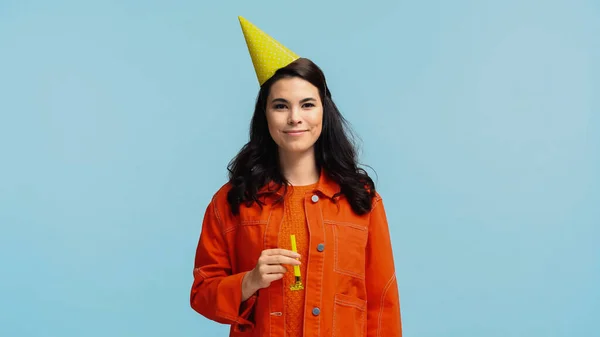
[
  {"x": 217, "y": 294},
  {"x": 383, "y": 300}
]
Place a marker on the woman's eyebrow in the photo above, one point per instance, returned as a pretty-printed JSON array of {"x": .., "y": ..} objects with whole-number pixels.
[{"x": 283, "y": 100}]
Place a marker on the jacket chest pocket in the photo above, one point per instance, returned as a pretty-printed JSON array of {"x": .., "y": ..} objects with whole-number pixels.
[
  {"x": 248, "y": 243},
  {"x": 350, "y": 241}
]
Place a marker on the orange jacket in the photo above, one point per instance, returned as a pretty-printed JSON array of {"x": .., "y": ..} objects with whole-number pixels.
[{"x": 351, "y": 288}]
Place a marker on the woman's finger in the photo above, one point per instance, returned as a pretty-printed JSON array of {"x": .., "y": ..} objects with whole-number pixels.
[
  {"x": 280, "y": 259},
  {"x": 274, "y": 269},
  {"x": 273, "y": 277},
  {"x": 280, "y": 251}
]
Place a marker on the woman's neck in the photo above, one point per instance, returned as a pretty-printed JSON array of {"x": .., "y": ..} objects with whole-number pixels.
[{"x": 299, "y": 168}]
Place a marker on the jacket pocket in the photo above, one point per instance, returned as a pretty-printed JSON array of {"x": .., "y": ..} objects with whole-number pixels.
[
  {"x": 248, "y": 243},
  {"x": 349, "y": 316},
  {"x": 350, "y": 244}
]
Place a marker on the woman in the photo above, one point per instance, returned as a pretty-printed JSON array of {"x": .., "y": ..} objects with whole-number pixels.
[{"x": 296, "y": 243}]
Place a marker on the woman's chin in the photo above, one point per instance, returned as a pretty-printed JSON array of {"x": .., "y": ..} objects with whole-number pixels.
[{"x": 295, "y": 149}]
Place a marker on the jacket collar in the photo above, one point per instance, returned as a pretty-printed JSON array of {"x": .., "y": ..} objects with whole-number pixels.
[{"x": 325, "y": 186}]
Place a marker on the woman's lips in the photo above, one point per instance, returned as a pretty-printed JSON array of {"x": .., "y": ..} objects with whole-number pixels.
[{"x": 295, "y": 132}]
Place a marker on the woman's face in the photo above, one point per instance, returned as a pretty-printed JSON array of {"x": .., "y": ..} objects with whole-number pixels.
[{"x": 294, "y": 115}]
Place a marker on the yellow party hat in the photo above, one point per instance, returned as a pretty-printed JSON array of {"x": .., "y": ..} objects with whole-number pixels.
[{"x": 267, "y": 54}]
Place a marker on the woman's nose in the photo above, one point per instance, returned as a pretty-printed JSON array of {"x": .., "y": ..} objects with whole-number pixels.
[{"x": 294, "y": 117}]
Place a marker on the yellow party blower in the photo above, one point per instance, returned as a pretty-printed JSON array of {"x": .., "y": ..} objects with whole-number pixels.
[{"x": 298, "y": 284}]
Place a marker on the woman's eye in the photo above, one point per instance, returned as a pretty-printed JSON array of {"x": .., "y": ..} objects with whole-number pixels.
[
  {"x": 279, "y": 106},
  {"x": 309, "y": 105}
]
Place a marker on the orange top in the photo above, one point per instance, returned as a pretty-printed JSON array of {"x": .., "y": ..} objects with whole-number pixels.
[
  {"x": 294, "y": 222},
  {"x": 349, "y": 279}
]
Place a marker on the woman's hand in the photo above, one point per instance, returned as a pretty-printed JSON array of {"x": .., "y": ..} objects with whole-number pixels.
[{"x": 269, "y": 268}]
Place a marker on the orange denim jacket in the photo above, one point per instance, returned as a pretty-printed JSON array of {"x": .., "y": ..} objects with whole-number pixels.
[{"x": 351, "y": 288}]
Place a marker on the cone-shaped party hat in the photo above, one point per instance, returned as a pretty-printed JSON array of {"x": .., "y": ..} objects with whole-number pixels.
[{"x": 267, "y": 54}]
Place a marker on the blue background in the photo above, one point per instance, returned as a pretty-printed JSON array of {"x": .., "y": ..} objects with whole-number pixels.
[{"x": 481, "y": 119}]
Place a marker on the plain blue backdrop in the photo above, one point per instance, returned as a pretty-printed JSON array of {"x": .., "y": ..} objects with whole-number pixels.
[{"x": 480, "y": 118}]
